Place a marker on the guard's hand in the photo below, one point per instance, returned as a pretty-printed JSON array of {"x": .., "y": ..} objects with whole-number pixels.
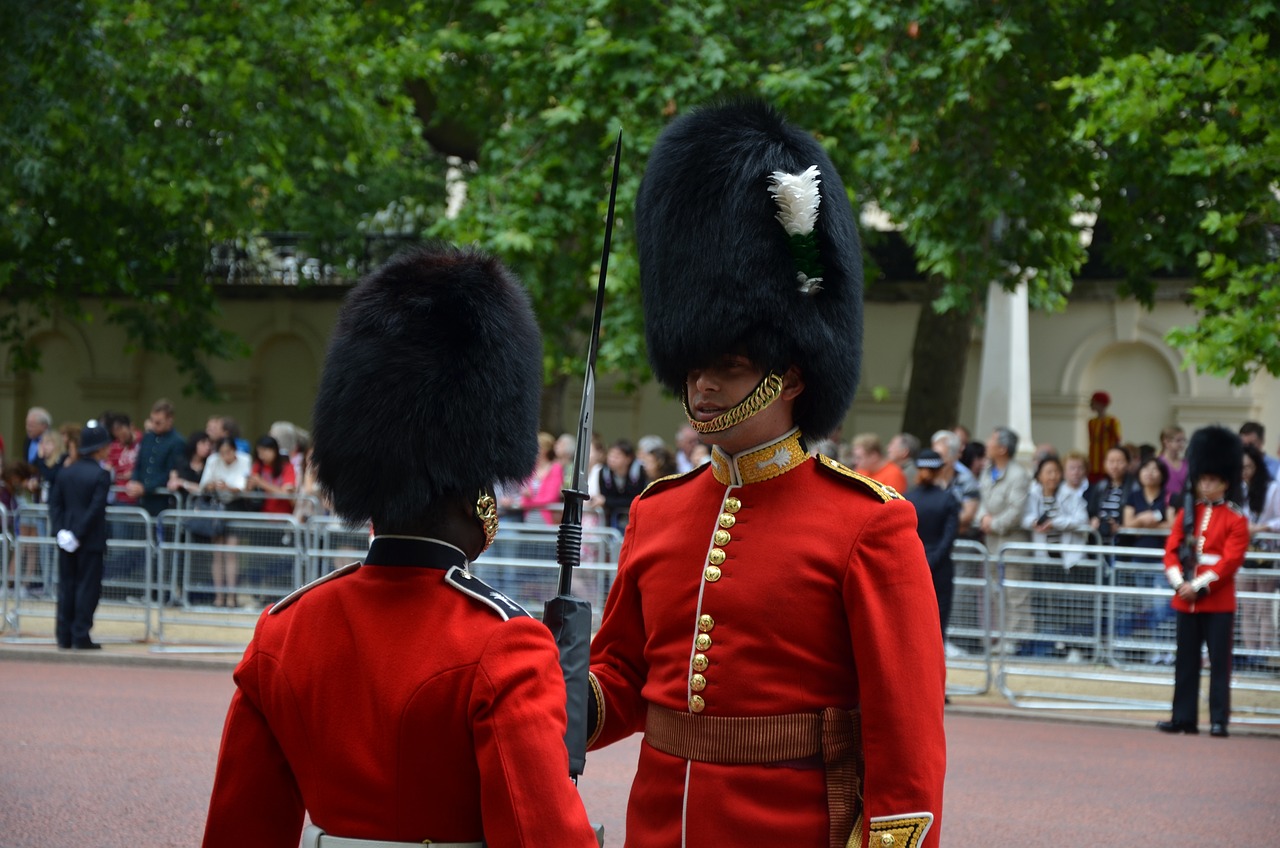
[
  {"x": 1187, "y": 592},
  {"x": 68, "y": 541}
]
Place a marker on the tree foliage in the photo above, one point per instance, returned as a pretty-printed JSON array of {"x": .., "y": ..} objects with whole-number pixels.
[
  {"x": 1188, "y": 149},
  {"x": 140, "y": 134}
]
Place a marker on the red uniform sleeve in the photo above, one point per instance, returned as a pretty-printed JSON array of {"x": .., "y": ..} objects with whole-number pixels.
[
  {"x": 255, "y": 799},
  {"x": 617, "y": 654},
  {"x": 897, "y": 643},
  {"x": 518, "y": 721}
]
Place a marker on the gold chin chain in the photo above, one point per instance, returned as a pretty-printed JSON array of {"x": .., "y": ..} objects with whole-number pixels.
[
  {"x": 487, "y": 513},
  {"x": 769, "y": 390}
]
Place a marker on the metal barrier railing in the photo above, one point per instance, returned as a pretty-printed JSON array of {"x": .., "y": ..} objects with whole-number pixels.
[
  {"x": 215, "y": 563},
  {"x": 34, "y": 573},
  {"x": 1019, "y": 620},
  {"x": 1109, "y": 627},
  {"x": 968, "y": 642}
]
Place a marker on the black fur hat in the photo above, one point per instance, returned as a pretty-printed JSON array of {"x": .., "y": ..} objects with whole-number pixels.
[
  {"x": 1217, "y": 450},
  {"x": 717, "y": 267},
  {"x": 431, "y": 387}
]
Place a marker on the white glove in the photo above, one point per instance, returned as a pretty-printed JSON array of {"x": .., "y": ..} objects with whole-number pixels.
[{"x": 68, "y": 541}]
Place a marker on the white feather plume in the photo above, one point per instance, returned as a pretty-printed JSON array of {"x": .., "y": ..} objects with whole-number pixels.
[{"x": 797, "y": 198}]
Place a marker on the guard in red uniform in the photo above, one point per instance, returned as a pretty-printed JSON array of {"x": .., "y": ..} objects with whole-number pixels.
[
  {"x": 773, "y": 628},
  {"x": 401, "y": 701},
  {"x": 1206, "y": 599}
]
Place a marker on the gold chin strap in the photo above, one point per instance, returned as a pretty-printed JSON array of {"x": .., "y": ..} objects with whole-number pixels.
[
  {"x": 487, "y": 514},
  {"x": 769, "y": 390}
]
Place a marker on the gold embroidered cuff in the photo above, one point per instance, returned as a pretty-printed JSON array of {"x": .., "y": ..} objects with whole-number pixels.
[
  {"x": 899, "y": 831},
  {"x": 595, "y": 728}
]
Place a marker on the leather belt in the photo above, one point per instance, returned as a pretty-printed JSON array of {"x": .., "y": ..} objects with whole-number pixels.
[
  {"x": 314, "y": 837},
  {"x": 738, "y": 740}
]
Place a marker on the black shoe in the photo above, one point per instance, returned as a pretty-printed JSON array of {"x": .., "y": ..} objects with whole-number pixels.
[
  {"x": 87, "y": 646},
  {"x": 1177, "y": 727},
  {"x": 1218, "y": 730}
]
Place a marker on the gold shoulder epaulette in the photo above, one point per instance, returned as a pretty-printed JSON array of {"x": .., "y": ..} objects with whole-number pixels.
[
  {"x": 880, "y": 490},
  {"x": 672, "y": 479},
  {"x": 299, "y": 592}
]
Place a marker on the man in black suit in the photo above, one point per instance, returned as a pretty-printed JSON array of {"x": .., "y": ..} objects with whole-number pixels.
[
  {"x": 937, "y": 522},
  {"x": 78, "y": 509}
]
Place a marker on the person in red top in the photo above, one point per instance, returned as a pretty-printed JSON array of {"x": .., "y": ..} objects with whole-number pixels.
[
  {"x": 272, "y": 474},
  {"x": 123, "y": 456},
  {"x": 869, "y": 460},
  {"x": 773, "y": 628},
  {"x": 1104, "y": 434},
  {"x": 1206, "y": 599},
  {"x": 400, "y": 700}
]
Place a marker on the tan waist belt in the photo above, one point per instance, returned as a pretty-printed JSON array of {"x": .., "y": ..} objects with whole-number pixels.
[{"x": 834, "y": 734}]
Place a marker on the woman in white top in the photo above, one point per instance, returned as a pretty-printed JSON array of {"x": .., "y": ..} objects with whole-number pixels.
[
  {"x": 1055, "y": 513},
  {"x": 224, "y": 478},
  {"x": 1262, "y": 506}
]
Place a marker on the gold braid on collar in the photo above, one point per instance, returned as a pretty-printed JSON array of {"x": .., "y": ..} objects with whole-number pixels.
[{"x": 769, "y": 390}]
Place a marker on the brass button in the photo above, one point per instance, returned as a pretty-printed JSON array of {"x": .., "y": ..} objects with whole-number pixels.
[
  {"x": 721, "y": 537},
  {"x": 697, "y": 704},
  {"x": 727, "y": 520},
  {"x": 716, "y": 556},
  {"x": 703, "y": 642},
  {"x": 732, "y": 505},
  {"x": 697, "y": 683},
  {"x": 700, "y": 662},
  {"x": 886, "y": 839},
  {"x": 712, "y": 573},
  {"x": 705, "y": 623}
]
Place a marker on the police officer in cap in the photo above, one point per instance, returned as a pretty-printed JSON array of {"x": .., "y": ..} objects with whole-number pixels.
[
  {"x": 400, "y": 700},
  {"x": 78, "y": 512},
  {"x": 773, "y": 628}
]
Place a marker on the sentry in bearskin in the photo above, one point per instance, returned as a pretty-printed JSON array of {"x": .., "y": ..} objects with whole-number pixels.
[{"x": 401, "y": 700}]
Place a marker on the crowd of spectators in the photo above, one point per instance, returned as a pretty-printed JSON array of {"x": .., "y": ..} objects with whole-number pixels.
[{"x": 1116, "y": 492}]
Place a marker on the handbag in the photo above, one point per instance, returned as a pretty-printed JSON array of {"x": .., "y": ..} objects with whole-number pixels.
[{"x": 206, "y": 526}]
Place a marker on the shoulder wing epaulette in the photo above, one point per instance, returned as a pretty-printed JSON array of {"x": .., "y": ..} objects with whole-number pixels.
[
  {"x": 298, "y": 593},
  {"x": 673, "y": 479},
  {"x": 880, "y": 490},
  {"x": 468, "y": 584}
]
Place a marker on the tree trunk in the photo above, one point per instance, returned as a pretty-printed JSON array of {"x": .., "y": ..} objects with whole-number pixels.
[{"x": 938, "y": 360}]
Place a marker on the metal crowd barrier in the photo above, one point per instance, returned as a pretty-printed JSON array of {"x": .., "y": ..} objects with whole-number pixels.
[
  {"x": 968, "y": 644},
  {"x": 33, "y": 574},
  {"x": 6, "y": 582},
  {"x": 1111, "y": 623},
  {"x": 222, "y": 568}
]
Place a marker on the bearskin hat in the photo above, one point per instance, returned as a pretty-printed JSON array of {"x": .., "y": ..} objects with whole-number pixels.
[
  {"x": 718, "y": 268},
  {"x": 431, "y": 387},
  {"x": 1217, "y": 450}
]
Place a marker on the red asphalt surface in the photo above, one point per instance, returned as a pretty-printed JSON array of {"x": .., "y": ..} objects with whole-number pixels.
[{"x": 113, "y": 756}]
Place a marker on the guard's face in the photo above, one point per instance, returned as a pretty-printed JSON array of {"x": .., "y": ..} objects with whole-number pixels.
[
  {"x": 721, "y": 386},
  {"x": 1211, "y": 487}
]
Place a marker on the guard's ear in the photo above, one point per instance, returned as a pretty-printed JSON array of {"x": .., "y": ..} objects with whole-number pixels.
[{"x": 792, "y": 383}]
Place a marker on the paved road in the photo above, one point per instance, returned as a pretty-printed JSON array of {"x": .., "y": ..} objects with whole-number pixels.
[{"x": 109, "y": 755}]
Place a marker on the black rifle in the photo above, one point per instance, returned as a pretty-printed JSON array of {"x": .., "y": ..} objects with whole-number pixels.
[
  {"x": 568, "y": 617},
  {"x": 1188, "y": 551}
]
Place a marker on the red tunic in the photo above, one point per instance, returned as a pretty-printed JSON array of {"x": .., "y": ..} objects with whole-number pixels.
[
  {"x": 1226, "y": 538},
  {"x": 391, "y": 705},
  {"x": 823, "y": 599}
]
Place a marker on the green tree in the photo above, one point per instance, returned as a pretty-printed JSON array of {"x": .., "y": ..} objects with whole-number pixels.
[
  {"x": 136, "y": 136},
  {"x": 1188, "y": 150}
]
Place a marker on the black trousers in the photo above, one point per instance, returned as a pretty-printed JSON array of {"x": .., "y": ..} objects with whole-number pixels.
[
  {"x": 1215, "y": 629},
  {"x": 944, "y": 587},
  {"x": 79, "y": 588}
]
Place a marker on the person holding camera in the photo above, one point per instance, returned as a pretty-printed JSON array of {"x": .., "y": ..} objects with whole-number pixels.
[{"x": 1106, "y": 498}]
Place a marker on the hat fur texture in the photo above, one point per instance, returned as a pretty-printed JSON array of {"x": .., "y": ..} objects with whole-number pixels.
[
  {"x": 717, "y": 271},
  {"x": 1217, "y": 450},
  {"x": 431, "y": 387}
]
